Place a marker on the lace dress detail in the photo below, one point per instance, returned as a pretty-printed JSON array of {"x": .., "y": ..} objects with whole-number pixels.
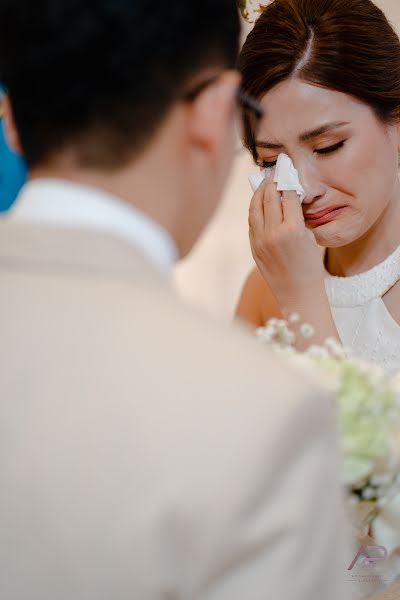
[{"x": 360, "y": 314}]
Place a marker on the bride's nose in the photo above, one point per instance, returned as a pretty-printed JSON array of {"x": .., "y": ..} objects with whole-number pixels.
[{"x": 311, "y": 181}]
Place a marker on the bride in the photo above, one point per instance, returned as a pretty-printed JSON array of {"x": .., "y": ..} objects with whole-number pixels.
[{"x": 327, "y": 78}]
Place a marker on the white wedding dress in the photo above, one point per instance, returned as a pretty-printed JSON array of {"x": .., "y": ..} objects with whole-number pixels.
[
  {"x": 367, "y": 329},
  {"x": 364, "y": 324}
]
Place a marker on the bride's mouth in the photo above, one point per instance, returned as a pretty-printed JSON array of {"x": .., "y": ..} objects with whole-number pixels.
[{"x": 324, "y": 216}]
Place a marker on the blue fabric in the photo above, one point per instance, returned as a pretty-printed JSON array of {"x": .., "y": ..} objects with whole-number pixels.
[{"x": 13, "y": 172}]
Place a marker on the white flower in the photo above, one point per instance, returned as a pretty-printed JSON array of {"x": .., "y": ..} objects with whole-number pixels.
[
  {"x": 368, "y": 493},
  {"x": 264, "y": 334},
  {"x": 277, "y": 331},
  {"x": 307, "y": 331},
  {"x": 318, "y": 352},
  {"x": 273, "y": 322},
  {"x": 335, "y": 348},
  {"x": 381, "y": 479},
  {"x": 368, "y": 409},
  {"x": 294, "y": 318}
]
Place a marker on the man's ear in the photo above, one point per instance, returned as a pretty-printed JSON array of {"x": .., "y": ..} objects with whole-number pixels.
[
  {"x": 211, "y": 112},
  {"x": 10, "y": 129}
]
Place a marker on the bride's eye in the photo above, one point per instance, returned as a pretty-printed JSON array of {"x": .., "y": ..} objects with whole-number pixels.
[
  {"x": 330, "y": 149},
  {"x": 266, "y": 164}
]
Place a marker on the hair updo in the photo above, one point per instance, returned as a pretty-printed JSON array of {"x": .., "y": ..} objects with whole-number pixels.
[{"x": 344, "y": 45}]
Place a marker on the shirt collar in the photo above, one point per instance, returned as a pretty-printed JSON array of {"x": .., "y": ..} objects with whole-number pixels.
[{"x": 68, "y": 204}]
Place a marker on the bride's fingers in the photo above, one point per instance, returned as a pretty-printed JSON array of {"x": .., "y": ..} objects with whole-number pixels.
[
  {"x": 292, "y": 209},
  {"x": 265, "y": 212},
  {"x": 272, "y": 203},
  {"x": 256, "y": 211},
  {"x": 252, "y": 243}
]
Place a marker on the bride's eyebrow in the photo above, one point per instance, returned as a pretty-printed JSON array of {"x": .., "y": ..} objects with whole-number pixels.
[
  {"x": 313, "y": 133},
  {"x": 306, "y": 136},
  {"x": 268, "y": 145}
]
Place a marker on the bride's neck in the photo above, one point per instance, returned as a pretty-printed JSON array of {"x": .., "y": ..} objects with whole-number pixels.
[{"x": 369, "y": 250}]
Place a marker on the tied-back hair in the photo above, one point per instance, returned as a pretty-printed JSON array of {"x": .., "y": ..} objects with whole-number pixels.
[{"x": 344, "y": 45}]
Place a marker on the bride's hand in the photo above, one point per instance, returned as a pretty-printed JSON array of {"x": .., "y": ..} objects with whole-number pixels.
[
  {"x": 288, "y": 257},
  {"x": 284, "y": 250}
]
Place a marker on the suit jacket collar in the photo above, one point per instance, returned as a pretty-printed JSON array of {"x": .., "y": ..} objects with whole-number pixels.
[
  {"x": 87, "y": 253},
  {"x": 61, "y": 203}
]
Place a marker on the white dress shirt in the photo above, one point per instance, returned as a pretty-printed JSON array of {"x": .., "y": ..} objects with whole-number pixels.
[{"x": 68, "y": 204}]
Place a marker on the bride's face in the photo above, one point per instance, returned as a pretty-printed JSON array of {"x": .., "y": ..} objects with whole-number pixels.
[{"x": 346, "y": 157}]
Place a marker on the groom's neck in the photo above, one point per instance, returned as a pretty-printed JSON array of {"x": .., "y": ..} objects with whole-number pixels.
[{"x": 150, "y": 183}]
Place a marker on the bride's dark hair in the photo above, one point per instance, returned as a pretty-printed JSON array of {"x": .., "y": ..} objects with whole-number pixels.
[{"x": 344, "y": 45}]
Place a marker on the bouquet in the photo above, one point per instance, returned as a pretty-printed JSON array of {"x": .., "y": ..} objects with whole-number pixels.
[{"x": 368, "y": 404}]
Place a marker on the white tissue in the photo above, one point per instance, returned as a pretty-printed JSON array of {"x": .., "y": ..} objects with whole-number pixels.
[
  {"x": 286, "y": 177},
  {"x": 257, "y": 178}
]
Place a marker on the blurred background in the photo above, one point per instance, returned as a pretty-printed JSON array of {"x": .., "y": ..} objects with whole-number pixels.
[{"x": 212, "y": 277}]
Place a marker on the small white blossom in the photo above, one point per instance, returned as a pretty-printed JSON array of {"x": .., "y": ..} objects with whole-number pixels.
[
  {"x": 273, "y": 322},
  {"x": 318, "y": 352},
  {"x": 368, "y": 409},
  {"x": 263, "y": 335},
  {"x": 307, "y": 331},
  {"x": 294, "y": 318},
  {"x": 380, "y": 479},
  {"x": 368, "y": 493},
  {"x": 335, "y": 348},
  {"x": 381, "y": 502}
]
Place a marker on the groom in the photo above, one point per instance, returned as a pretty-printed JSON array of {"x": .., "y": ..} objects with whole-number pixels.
[{"x": 147, "y": 453}]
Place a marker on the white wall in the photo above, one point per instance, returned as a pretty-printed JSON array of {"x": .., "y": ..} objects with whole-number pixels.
[
  {"x": 211, "y": 277},
  {"x": 392, "y": 11},
  {"x": 213, "y": 274}
]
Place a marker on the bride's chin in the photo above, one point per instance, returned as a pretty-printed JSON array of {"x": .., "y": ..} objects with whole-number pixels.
[
  {"x": 332, "y": 239},
  {"x": 340, "y": 232}
]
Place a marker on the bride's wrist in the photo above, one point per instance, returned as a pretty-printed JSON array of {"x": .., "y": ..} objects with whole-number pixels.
[
  {"x": 291, "y": 297},
  {"x": 314, "y": 309}
]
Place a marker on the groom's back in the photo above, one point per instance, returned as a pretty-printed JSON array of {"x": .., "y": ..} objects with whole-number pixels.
[{"x": 148, "y": 452}]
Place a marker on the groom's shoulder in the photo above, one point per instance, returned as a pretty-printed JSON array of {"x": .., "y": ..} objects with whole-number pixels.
[
  {"x": 226, "y": 370},
  {"x": 225, "y": 353}
]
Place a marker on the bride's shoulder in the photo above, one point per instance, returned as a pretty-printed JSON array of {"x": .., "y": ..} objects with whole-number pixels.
[{"x": 257, "y": 303}]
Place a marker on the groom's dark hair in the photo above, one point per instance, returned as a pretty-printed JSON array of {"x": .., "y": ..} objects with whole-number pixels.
[{"x": 101, "y": 75}]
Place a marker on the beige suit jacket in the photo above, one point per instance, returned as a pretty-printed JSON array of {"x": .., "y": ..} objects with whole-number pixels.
[{"x": 147, "y": 452}]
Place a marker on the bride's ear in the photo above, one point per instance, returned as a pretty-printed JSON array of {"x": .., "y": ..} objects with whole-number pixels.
[{"x": 10, "y": 128}]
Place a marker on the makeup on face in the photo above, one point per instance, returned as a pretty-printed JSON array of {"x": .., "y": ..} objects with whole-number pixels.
[
  {"x": 322, "y": 148},
  {"x": 345, "y": 156},
  {"x": 286, "y": 177},
  {"x": 324, "y": 216}
]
